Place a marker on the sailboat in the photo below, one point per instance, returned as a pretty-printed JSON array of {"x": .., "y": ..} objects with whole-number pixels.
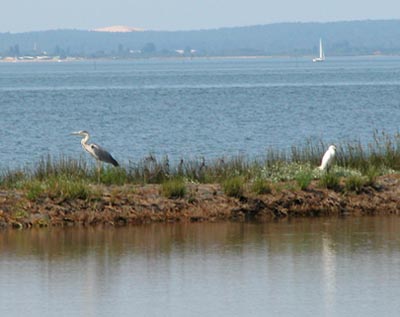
[{"x": 321, "y": 57}]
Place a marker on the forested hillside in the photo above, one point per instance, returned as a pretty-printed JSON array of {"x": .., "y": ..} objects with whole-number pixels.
[{"x": 294, "y": 39}]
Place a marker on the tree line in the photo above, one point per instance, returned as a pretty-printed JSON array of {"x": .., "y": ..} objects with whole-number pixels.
[{"x": 289, "y": 39}]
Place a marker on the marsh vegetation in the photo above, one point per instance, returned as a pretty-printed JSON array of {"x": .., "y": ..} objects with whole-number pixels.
[{"x": 356, "y": 166}]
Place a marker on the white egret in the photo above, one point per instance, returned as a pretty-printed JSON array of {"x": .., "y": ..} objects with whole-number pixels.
[{"x": 328, "y": 158}]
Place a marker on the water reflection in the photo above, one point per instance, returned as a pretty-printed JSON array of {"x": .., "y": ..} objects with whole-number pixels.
[
  {"x": 304, "y": 267},
  {"x": 329, "y": 272}
]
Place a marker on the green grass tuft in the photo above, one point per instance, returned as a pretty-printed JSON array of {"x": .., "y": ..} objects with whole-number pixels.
[
  {"x": 35, "y": 190},
  {"x": 371, "y": 174},
  {"x": 114, "y": 176},
  {"x": 330, "y": 181},
  {"x": 355, "y": 183},
  {"x": 234, "y": 186},
  {"x": 174, "y": 188},
  {"x": 67, "y": 189},
  {"x": 261, "y": 187},
  {"x": 304, "y": 179}
]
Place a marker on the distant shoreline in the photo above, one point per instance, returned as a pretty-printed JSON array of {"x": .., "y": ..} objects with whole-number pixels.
[
  {"x": 244, "y": 57},
  {"x": 340, "y": 38}
]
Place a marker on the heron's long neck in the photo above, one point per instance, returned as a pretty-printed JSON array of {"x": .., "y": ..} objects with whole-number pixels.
[{"x": 84, "y": 140}]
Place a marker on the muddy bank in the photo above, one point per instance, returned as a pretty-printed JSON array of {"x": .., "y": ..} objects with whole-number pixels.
[{"x": 123, "y": 205}]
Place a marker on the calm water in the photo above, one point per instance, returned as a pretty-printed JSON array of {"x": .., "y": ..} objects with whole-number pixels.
[
  {"x": 321, "y": 267},
  {"x": 192, "y": 108}
]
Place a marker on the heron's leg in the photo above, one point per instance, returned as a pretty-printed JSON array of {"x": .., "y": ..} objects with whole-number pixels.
[{"x": 98, "y": 171}]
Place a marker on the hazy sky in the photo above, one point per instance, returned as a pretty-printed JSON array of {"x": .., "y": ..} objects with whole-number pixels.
[{"x": 33, "y": 15}]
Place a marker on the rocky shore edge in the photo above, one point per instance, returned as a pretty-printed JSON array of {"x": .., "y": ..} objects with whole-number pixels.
[{"x": 141, "y": 204}]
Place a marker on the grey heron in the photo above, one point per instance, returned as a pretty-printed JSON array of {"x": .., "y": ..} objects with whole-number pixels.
[
  {"x": 328, "y": 158},
  {"x": 100, "y": 154}
]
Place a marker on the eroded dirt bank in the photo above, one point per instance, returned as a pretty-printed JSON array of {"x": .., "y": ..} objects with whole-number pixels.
[{"x": 124, "y": 205}]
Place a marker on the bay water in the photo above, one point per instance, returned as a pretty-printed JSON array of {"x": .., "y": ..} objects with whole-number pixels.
[{"x": 191, "y": 108}]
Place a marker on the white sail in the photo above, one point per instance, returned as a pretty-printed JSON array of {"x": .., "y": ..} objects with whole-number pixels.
[
  {"x": 321, "y": 57},
  {"x": 321, "y": 52}
]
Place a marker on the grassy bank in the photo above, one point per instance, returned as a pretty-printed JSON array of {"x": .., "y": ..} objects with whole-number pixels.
[
  {"x": 74, "y": 182},
  {"x": 381, "y": 156}
]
